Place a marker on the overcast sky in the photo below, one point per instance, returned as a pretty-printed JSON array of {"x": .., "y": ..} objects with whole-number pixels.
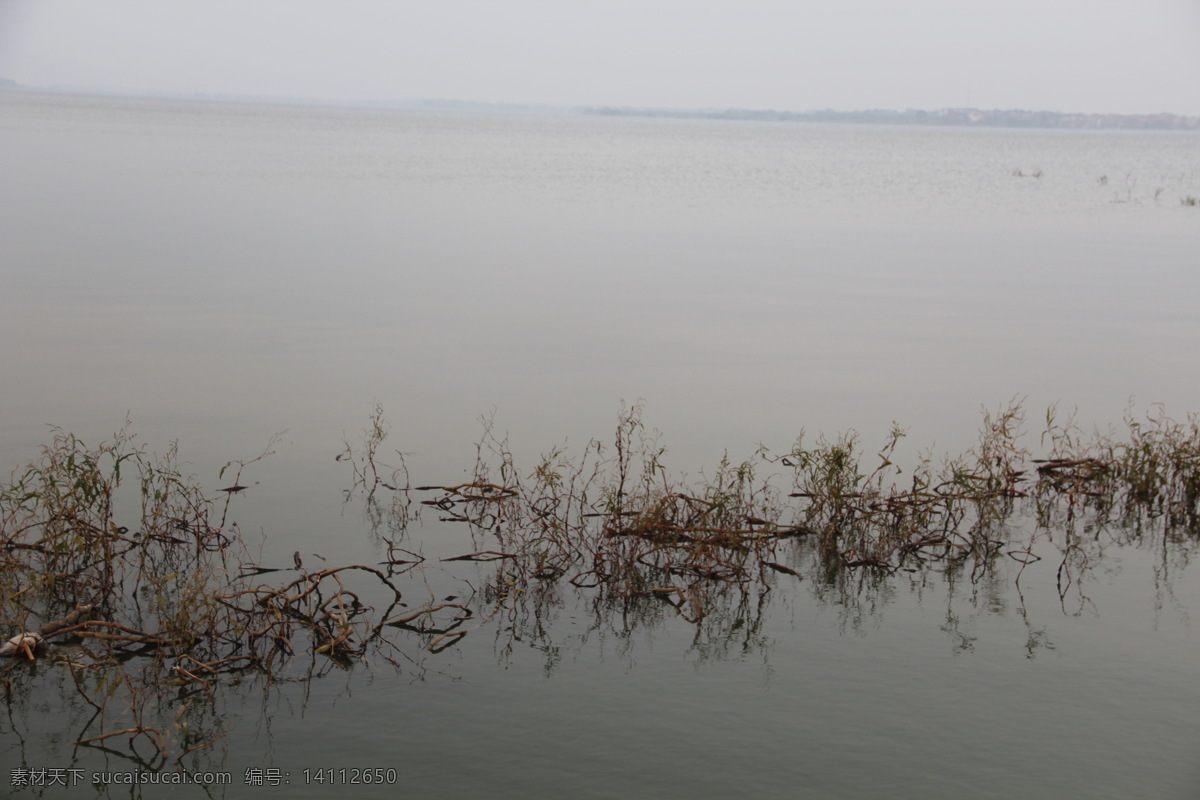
[{"x": 1126, "y": 56}]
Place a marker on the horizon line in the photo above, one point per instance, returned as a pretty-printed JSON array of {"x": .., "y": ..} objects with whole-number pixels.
[{"x": 557, "y": 107}]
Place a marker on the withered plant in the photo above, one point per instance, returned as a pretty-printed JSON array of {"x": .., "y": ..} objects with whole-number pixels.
[
  {"x": 613, "y": 520},
  {"x": 151, "y": 610}
]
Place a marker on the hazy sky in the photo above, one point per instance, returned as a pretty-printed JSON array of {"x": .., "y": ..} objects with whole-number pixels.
[{"x": 1068, "y": 55}]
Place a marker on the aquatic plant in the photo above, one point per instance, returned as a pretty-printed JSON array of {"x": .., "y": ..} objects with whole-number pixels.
[
  {"x": 165, "y": 604},
  {"x": 614, "y": 521},
  {"x": 122, "y": 571}
]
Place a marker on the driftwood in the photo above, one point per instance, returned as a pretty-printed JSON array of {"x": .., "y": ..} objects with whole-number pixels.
[{"x": 28, "y": 644}]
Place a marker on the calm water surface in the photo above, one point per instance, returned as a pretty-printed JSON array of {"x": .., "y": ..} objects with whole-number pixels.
[{"x": 223, "y": 272}]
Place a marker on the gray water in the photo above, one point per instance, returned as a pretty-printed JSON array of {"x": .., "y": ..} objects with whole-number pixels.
[{"x": 220, "y": 273}]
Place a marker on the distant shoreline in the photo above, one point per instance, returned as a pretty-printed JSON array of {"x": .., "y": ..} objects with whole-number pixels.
[{"x": 944, "y": 117}]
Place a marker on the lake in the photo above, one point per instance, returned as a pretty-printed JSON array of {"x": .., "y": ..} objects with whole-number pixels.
[{"x": 221, "y": 272}]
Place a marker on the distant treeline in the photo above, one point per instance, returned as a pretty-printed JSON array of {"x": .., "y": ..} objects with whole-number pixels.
[{"x": 1013, "y": 118}]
